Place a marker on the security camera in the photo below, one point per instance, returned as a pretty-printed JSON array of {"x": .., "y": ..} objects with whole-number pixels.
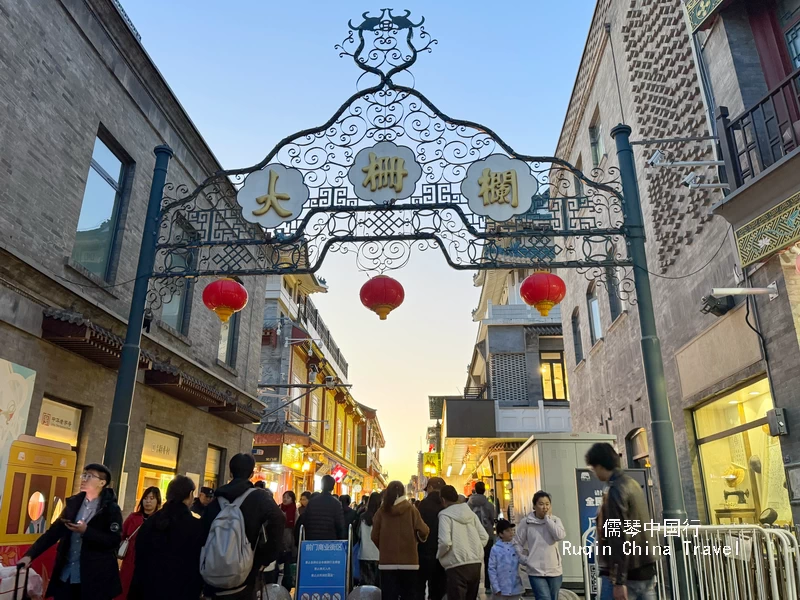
[
  {"x": 690, "y": 180},
  {"x": 330, "y": 382},
  {"x": 657, "y": 158}
]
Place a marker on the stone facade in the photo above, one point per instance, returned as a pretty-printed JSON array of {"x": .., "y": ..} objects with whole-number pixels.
[{"x": 73, "y": 71}]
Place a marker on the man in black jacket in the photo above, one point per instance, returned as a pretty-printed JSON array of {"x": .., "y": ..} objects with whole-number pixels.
[
  {"x": 88, "y": 532},
  {"x": 259, "y": 511},
  {"x": 324, "y": 517},
  {"x": 431, "y": 571}
]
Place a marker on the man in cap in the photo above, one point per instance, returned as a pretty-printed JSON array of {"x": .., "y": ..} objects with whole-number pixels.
[
  {"x": 431, "y": 572},
  {"x": 204, "y": 498}
]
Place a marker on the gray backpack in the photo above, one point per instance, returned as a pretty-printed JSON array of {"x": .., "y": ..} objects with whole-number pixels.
[{"x": 227, "y": 557}]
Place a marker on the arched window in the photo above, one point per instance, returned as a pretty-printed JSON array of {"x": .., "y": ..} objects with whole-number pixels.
[
  {"x": 576, "y": 335},
  {"x": 612, "y": 285},
  {"x": 638, "y": 450},
  {"x": 595, "y": 327}
]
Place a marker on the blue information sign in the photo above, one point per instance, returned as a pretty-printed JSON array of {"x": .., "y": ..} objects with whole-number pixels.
[
  {"x": 322, "y": 570},
  {"x": 590, "y": 498}
]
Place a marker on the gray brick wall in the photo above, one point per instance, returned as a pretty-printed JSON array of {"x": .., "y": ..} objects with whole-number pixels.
[
  {"x": 68, "y": 68},
  {"x": 607, "y": 389}
]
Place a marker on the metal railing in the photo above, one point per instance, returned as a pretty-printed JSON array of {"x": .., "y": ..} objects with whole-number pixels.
[
  {"x": 475, "y": 392},
  {"x": 310, "y": 316},
  {"x": 721, "y": 562},
  {"x": 763, "y": 134}
]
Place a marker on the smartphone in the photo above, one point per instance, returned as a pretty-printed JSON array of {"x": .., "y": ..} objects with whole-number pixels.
[{"x": 68, "y": 522}]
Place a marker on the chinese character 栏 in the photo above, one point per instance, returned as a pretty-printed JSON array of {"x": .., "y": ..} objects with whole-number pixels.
[
  {"x": 383, "y": 172},
  {"x": 498, "y": 187},
  {"x": 271, "y": 198}
]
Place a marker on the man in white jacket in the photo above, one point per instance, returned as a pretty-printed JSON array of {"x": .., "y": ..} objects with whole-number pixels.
[{"x": 462, "y": 538}]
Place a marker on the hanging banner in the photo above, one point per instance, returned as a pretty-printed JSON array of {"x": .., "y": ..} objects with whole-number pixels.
[
  {"x": 322, "y": 570},
  {"x": 700, "y": 11}
]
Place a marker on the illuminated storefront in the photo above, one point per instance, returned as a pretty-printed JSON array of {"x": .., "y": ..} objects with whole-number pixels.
[
  {"x": 742, "y": 464},
  {"x": 159, "y": 461}
]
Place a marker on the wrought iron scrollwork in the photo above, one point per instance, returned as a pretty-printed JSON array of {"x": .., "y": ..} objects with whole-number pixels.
[{"x": 575, "y": 220}]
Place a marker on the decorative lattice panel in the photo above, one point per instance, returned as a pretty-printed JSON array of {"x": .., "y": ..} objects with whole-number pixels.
[{"x": 509, "y": 378}]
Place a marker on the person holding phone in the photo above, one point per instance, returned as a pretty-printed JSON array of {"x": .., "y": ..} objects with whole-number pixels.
[{"x": 88, "y": 533}]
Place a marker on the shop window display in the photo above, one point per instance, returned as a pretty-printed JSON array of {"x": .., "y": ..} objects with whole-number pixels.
[{"x": 742, "y": 465}]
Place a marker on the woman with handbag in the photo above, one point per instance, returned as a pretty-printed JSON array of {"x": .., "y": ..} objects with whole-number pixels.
[
  {"x": 148, "y": 505},
  {"x": 168, "y": 549}
]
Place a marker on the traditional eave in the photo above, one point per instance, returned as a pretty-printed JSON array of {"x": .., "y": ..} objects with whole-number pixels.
[
  {"x": 73, "y": 332},
  {"x": 276, "y": 431}
]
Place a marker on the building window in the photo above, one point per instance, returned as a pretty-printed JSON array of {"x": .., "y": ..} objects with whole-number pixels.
[
  {"x": 554, "y": 379},
  {"x": 213, "y": 462},
  {"x": 159, "y": 461},
  {"x": 348, "y": 445},
  {"x": 595, "y": 326},
  {"x": 579, "y": 191},
  {"x": 612, "y": 285},
  {"x": 314, "y": 428},
  {"x": 99, "y": 218},
  {"x": 59, "y": 422},
  {"x": 789, "y": 19},
  {"x": 596, "y": 140},
  {"x": 638, "y": 449},
  {"x": 339, "y": 436},
  {"x": 175, "y": 312},
  {"x": 297, "y": 394},
  {"x": 742, "y": 465},
  {"x": 577, "y": 342},
  {"x": 228, "y": 340}
]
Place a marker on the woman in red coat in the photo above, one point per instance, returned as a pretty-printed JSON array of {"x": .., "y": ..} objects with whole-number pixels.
[{"x": 148, "y": 505}]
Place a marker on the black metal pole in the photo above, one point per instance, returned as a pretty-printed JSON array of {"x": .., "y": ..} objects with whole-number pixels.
[
  {"x": 117, "y": 440},
  {"x": 666, "y": 455}
]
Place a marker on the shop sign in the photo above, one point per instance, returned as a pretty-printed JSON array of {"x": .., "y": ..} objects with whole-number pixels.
[
  {"x": 273, "y": 195},
  {"x": 267, "y": 454},
  {"x": 774, "y": 230},
  {"x": 499, "y": 187},
  {"x": 160, "y": 449},
  {"x": 384, "y": 173},
  {"x": 700, "y": 11},
  {"x": 58, "y": 422},
  {"x": 322, "y": 570},
  {"x": 339, "y": 473}
]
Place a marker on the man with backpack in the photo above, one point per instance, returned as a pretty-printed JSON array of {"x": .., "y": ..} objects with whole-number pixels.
[
  {"x": 487, "y": 515},
  {"x": 244, "y": 533}
]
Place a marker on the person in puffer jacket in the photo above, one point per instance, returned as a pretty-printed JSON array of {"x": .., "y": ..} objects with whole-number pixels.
[
  {"x": 462, "y": 539},
  {"x": 537, "y": 545}
]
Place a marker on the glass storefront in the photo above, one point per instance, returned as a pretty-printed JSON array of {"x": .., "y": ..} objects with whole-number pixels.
[
  {"x": 159, "y": 461},
  {"x": 213, "y": 460},
  {"x": 742, "y": 465}
]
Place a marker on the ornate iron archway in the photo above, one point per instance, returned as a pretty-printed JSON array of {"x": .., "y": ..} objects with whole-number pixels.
[
  {"x": 313, "y": 193},
  {"x": 387, "y": 174}
]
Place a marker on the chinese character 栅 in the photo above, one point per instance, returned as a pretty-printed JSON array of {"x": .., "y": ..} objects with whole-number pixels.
[
  {"x": 498, "y": 187},
  {"x": 271, "y": 198},
  {"x": 383, "y": 172}
]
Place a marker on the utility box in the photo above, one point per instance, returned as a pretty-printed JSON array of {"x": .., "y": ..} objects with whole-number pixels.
[{"x": 547, "y": 461}]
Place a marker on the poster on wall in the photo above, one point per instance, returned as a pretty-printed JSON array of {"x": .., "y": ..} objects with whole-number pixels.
[{"x": 16, "y": 391}]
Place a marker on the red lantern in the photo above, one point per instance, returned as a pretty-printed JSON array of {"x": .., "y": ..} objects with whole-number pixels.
[
  {"x": 225, "y": 297},
  {"x": 543, "y": 291},
  {"x": 382, "y": 295}
]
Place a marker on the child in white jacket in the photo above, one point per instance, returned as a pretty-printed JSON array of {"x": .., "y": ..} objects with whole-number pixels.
[
  {"x": 536, "y": 542},
  {"x": 462, "y": 538}
]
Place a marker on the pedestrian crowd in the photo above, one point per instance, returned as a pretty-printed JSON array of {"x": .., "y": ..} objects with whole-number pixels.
[{"x": 228, "y": 543}]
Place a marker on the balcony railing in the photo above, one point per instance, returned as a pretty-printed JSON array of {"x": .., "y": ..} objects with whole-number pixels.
[
  {"x": 763, "y": 134},
  {"x": 310, "y": 316},
  {"x": 475, "y": 393}
]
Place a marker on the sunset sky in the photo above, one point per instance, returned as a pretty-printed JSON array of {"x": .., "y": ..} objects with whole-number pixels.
[{"x": 250, "y": 72}]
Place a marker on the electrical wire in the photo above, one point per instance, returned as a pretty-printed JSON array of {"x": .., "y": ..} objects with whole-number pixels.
[{"x": 710, "y": 260}]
